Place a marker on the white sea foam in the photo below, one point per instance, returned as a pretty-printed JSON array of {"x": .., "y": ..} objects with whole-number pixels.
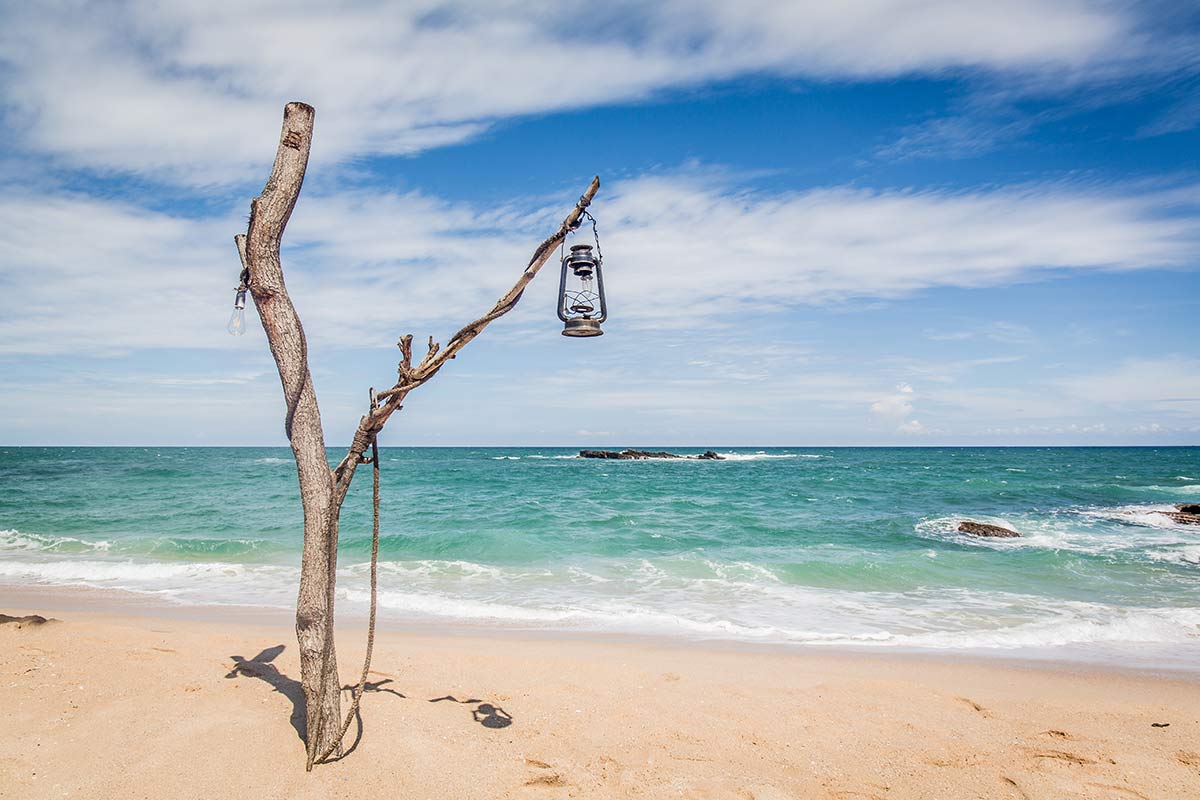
[
  {"x": 15, "y": 540},
  {"x": 947, "y": 528},
  {"x": 1184, "y": 554},
  {"x": 1187, "y": 488},
  {"x": 1146, "y": 515},
  {"x": 683, "y": 595},
  {"x": 272, "y": 460},
  {"x": 761, "y": 456}
]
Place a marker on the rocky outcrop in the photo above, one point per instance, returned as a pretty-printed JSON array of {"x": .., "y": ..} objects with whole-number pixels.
[
  {"x": 1183, "y": 517},
  {"x": 21, "y": 622},
  {"x": 1189, "y": 508},
  {"x": 634, "y": 455},
  {"x": 983, "y": 529}
]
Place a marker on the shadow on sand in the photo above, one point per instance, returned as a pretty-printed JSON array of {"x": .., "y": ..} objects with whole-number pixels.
[{"x": 263, "y": 668}]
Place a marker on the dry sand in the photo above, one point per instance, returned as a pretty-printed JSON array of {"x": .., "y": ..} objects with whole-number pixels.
[{"x": 110, "y": 706}]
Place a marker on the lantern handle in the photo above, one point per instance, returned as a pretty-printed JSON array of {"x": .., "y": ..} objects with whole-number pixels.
[{"x": 595, "y": 234}]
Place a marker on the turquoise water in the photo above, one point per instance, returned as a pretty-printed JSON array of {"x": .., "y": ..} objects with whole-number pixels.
[{"x": 806, "y": 546}]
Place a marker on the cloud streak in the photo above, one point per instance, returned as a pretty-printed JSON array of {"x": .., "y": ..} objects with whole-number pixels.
[
  {"x": 682, "y": 250},
  {"x": 170, "y": 90}
]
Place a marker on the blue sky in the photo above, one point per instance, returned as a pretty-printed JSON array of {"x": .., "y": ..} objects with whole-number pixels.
[{"x": 870, "y": 222}]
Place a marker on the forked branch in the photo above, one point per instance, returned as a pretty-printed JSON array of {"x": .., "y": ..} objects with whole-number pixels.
[{"x": 410, "y": 377}]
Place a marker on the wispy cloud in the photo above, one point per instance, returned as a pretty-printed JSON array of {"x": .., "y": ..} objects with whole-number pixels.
[
  {"x": 682, "y": 250},
  {"x": 171, "y": 90}
]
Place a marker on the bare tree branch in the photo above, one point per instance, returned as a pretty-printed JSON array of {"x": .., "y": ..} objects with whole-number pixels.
[
  {"x": 322, "y": 491},
  {"x": 411, "y": 377}
]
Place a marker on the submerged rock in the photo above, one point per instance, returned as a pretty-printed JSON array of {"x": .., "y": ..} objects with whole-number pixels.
[
  {"x": 1183, "y": 517},
  {"x": 983, "y": 529},
  {"x": 633, "y": 455}
]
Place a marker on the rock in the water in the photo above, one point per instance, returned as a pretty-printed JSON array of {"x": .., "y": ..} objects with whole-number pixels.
[
  {"x": 1183, "y": 517},
  {"x": 633, "y": 455},
  {"x": 983, "y": 529},
  {"x": 20, "y": 622},
  {"x": 1189, "y": 508},
  {"x": 626, "y": 455}
]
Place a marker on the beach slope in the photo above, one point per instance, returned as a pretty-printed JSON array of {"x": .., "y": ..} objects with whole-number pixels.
[{"x": 101, "y": 706}]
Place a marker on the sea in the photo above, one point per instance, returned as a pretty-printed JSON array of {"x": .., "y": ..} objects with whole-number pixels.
[{"x": 799, "y": 547}]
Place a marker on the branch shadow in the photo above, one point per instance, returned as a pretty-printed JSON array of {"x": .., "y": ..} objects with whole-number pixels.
[
  {"x": 263, "y": 668},
  {"x": 368, "y": 686},
  {"x": 486, "y": 714}
]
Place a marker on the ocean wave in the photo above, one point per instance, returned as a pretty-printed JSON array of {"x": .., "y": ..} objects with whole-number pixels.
[
  {"x": 137, "y": 572},
  {"x": 761, "y": 456},
  {"x": 1187, "y": 488},
  {"x": 1072, "y": 623},
  {"x": 506, "y": 458},
  {"x": 555, "y": 458},
  {"x": 272, "y": 460},
  {"x": 1187, "y": 554},
  {"x": 1141, "y": 531},
  {"x": 1148, "y": 515},
  {"x": 946, "y": 529},
  {"x": 685, "y": 595},
  {"x": 15, "y": 540}
]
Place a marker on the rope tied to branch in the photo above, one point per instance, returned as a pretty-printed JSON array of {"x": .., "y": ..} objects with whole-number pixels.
[{"x": 362, "y": 681}]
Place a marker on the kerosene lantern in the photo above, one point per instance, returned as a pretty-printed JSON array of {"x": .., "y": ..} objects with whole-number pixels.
[{"x": 581, "y": 303}]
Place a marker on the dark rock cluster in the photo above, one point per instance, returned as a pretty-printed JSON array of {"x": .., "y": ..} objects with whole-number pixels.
[
  {"x": 1188, "y": 513},
  {"x": 983, "y": 529},
  {"x": 633, "y": 455}
]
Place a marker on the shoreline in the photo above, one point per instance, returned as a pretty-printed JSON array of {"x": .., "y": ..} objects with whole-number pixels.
[
  {"x": 352, "y": 622},
  {"x": 467, "y": 715}
]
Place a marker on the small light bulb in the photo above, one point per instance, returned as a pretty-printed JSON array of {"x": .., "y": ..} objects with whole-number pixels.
[{"x": 237, "y": 322}]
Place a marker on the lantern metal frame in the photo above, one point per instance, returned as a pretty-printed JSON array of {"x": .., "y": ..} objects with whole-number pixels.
[{"x": 574, "y": 308}]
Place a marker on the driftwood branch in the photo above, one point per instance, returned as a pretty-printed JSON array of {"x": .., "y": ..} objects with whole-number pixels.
[
  {"x": 411, "y": 377},
  {"x": 259, "y": 252},
  {"x": 322, "y": 490}
]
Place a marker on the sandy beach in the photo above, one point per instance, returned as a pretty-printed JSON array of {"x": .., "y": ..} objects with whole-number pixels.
[{"x": 102, "y": 705}]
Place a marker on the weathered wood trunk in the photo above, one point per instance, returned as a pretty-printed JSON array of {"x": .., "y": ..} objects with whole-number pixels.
[
  {"x": 323, "y": 490},
  {"x": 260, "y": 255}
]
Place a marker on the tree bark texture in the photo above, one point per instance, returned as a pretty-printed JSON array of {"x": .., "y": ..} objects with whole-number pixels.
[
  {"x": 323, "y": 490},
  {"x": 269, "y": 215}
]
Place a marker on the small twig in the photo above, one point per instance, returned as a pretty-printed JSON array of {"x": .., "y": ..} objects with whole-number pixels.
[{"x": 413, "y": 377}]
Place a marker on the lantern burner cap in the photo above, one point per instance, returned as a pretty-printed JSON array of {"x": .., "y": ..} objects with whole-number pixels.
[{"x": 582, "y": 326}]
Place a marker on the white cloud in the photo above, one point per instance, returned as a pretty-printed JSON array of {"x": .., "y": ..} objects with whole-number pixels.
[
  {"x": 686, "y": 239},
  {"x": 85, "y": 274},
  {"x": 896, "y": 408},
  {"x": 187, "y": 91}
]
